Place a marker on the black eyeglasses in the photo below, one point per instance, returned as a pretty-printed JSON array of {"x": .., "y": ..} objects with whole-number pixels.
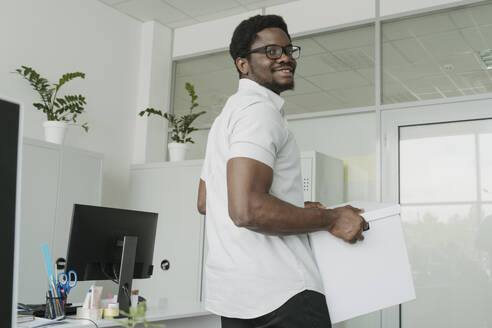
[{"x": 274, "y": 51}]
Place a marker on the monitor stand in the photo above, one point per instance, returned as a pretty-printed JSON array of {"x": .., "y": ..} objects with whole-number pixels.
[{"x": 126, "y": 272}]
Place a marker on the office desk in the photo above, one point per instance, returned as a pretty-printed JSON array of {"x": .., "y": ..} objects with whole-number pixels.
[{"x": 173, "y": 316}]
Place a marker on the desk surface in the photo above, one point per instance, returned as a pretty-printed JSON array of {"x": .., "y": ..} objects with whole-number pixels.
[{"x": 172, "y": 311}]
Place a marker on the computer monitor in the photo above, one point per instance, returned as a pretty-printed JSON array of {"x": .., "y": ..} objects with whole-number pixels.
[
  {"x": 111, "y": 244},
  {"x": 10, "y": 150}
]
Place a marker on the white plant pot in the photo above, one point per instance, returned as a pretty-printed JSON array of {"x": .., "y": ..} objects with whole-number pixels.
[
  {"x": 54, "y": 131},
  {"x": 177, "y": 151}
]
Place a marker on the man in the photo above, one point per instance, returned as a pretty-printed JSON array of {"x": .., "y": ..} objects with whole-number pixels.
[{"x": 260, "y": 270}]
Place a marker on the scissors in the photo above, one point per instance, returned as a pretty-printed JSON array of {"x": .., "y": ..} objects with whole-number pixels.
[{"x": 67, "y": 281}]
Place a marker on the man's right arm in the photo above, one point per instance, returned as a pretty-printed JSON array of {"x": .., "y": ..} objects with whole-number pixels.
[{"x": 252, "y": 206}]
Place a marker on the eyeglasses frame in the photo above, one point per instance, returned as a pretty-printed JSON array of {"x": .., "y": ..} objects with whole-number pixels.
[{"x": 264, "y": 50}]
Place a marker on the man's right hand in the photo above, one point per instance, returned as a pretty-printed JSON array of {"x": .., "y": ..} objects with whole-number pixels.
[{"x": 348, "y": 224}]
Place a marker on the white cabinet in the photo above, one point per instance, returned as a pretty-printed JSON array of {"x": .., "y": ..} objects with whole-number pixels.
[
  {"x": 53, "y": 179},
  {"x": 322, "y": 178},
  {"x": 171, "y": 189}
]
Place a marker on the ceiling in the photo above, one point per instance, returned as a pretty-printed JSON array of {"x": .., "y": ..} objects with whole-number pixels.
[
  {"x": 178, "y": 13},
  {"x": 427, "y": 57}
]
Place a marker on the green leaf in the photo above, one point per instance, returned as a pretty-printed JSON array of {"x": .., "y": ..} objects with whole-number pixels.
[
  {"x": 151, "y": 111},
  {"x": 67, "y": 77}
]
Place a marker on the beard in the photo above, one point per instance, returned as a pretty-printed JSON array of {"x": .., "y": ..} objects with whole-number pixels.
[
  {"x": 271, "y": 83},
  {"x": 279, "y": 87}
]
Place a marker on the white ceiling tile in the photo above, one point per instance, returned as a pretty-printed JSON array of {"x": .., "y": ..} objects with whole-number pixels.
[
  {"x": 442, "y": 83},
  {"x": 220, "y": 14},
  {"x": 427, "y": 96},
  {"x": 301, "y": 86},
  {"x": 290, "y": 108},
  {"x": 250, "y": 5},
  {"x": 196, "y": 66},
  {"x": 319, "y": 64},
  {"x": 147, "y": 10},
  {"x": 471, "y": 80},
  {"x": 391, "y": 55},
  {"x": 356, "y": 97},
  {"x": 468, "y": 92},
  {"x": 418, "y": 26},
  {"x": 314, "y": 102},
  {"x": 476, "y": 79},
  {"x": 396, "y": 93},
  {"x": 462, "y": 63},
  {"x": 222, "y": 60},
  {"x": 452, "y": 93},
  {"x": 308, "y": 46},
  {"x": 478, "y": 39},
  {"x": 482, "y": 14},
  {"x": 461, "y": 18},
  {"x": 486, "y": 33},
  {"x": 415, "y": 71},
  {"x": 446, "y": 44},
  {"x": 367, "y": 73},
  {"x": 346, "y": 39},
  {"x": 419, "y": 86},
  {"x": 355, "y": 58},
  {"x": 338, "y": 80},
  {"x": 199, "y": 8},
  {"x": 411, "y": 50}
]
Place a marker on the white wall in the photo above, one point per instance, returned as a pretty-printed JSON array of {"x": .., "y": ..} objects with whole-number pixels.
[
  {"x": 308, "y": 16},
  {"x": 59, "y": 36},
  {"x": 154, "y": 91},
  {"x": 208, "y": 36}
]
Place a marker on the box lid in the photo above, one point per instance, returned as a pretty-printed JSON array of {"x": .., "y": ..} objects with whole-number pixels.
[{"x": 374, "y": 211}]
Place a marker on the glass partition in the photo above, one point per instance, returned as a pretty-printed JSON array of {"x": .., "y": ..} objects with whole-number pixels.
[
  {"x": 438, "y": 55},
  {"x": 447, "y": 220},
  {"x": 335, "y": 71}
]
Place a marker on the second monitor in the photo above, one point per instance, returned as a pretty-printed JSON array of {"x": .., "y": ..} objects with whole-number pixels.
[{"x": 112, "y": 244}]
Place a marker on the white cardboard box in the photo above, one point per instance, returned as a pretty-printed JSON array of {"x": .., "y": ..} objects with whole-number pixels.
[{"x": 370, "y": 275}]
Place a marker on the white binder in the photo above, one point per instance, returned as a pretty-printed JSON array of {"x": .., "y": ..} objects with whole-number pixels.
[{"x": 370, "y": 275}]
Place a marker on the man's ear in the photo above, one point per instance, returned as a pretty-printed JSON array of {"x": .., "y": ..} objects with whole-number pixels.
[{"x": 242, "y": 65}]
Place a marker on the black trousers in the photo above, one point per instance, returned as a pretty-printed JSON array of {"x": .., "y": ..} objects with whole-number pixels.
[{"x": 305, "y": 310}]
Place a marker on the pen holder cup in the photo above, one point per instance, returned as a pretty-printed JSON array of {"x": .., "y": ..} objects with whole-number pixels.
[{"x": 55, "y": 307}]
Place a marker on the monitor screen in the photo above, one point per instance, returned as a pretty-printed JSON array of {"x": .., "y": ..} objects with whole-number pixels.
[
  {"x": 96, "y": 241},
  {"x": 9, "y": 141}
]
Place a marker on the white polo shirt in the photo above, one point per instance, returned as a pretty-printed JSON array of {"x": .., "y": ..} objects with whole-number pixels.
[{"x": 248, "y": 274}]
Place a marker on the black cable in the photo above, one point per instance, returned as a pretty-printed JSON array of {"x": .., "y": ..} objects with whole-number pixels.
[
  {"x": 95, "y": 324},
  {"x": 107, "y": 275},
  {"x": 124, "y": 287}
]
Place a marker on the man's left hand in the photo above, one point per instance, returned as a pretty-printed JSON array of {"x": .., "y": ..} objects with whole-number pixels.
[{"x": 314, "y": 205}]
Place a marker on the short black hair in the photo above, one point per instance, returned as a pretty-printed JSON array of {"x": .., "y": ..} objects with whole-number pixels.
[{"x": 245, "y": 34}]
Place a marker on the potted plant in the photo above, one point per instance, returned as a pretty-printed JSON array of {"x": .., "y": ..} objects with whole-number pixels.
[
  {"x": 59, "y": 110},
  {"x": 180, "y": 126}
]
